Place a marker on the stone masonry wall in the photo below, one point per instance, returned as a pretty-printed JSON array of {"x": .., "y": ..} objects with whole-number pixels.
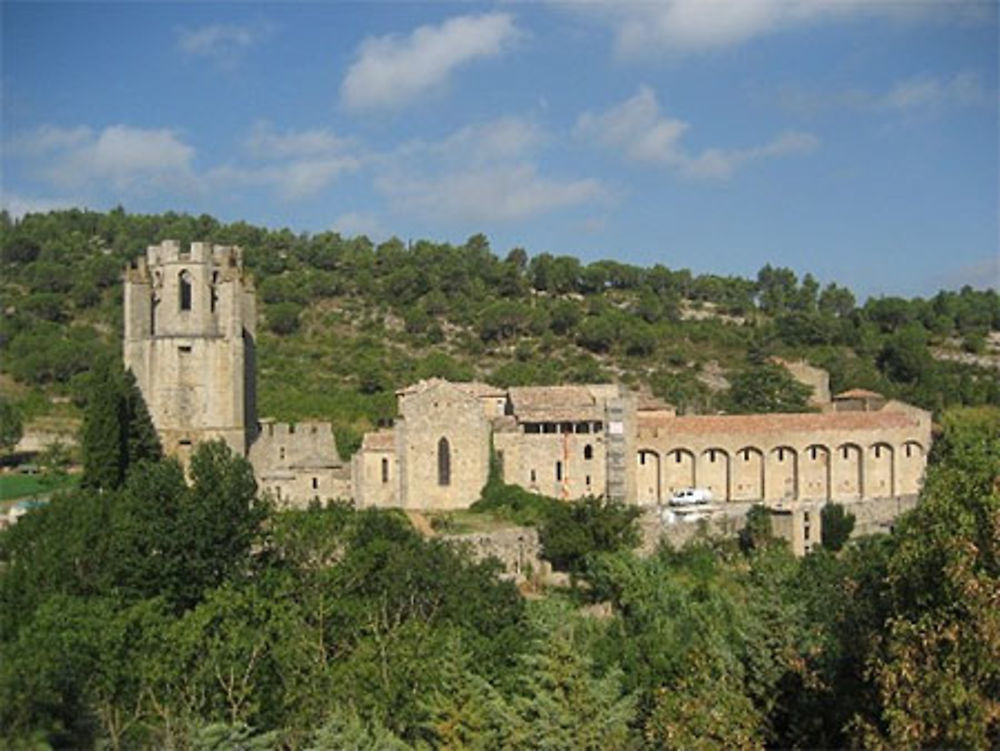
[{"x": 441, "y": 425}]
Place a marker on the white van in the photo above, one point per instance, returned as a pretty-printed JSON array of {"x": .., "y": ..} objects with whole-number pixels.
[{"x": 691, "y": 497}]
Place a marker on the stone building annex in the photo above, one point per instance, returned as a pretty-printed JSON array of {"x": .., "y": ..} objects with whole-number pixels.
[{"x": 189, "y": 338}]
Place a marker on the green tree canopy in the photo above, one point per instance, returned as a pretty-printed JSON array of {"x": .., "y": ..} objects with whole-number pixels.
[{"x": 766, "y": 388}]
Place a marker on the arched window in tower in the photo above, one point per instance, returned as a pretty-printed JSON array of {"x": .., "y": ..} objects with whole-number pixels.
[
  {"x": 444, "y": 462},
  {"x": 588, "y": 452},
  {"x": 184, "y": 284}
]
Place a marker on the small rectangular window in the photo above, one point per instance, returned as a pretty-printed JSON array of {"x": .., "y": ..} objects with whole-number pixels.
[
  {"x": 532, "y": 475},
  {"x": 559, "y": 472},
  {"x": 315, "y": 483},
  {"x": 184, "y": 349},
  {"x": 385, "y": 471}
]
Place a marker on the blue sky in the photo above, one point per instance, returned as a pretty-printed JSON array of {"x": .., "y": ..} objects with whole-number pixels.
[{"x": 854, "y": 140}]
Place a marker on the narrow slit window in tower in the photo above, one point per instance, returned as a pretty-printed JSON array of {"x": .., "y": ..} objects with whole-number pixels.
[{"x": 444, "y": 462}]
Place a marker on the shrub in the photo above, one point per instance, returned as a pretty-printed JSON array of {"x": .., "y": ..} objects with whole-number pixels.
[{"x": 283, "y": 317}]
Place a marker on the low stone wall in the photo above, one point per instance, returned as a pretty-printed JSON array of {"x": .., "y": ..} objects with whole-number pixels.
[
  {"x": 517, "y": 548},
  {"x": 872, "y": 516},
  {"x": 520, "y": 551},
  {"x": 875, "y": 515}
]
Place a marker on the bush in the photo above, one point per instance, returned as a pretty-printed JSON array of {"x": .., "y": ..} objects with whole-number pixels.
[
  {"x": 574, "y": 532},
  {"x": 283, "y": 317},
  {"x": 837, "y": 526},
  {"x": 516, "y": 504}
]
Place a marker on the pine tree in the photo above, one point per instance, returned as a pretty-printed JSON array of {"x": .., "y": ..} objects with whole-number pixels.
[
  {"x": 142, "y": 443},
  {"x": 465, "y": 712},
  {"x": 117, "y": 429},
  {"x": 563, "y": 706},
  {"x": 101, "y": 440}
]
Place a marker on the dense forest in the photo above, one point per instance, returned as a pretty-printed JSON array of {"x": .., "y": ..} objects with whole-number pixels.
[
  {"x": 146, "y": 611},
  {"x": 344, "y": 322}
]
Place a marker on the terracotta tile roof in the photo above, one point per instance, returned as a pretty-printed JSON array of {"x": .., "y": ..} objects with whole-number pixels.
[
  {"x": 774, "y": 423},
  {"x": 554, "y": 403},
  {"x": 380, "y": 440},
  {"x": 477, "y": 389},
  {"x": 859, "y": 394},
  {"x": 317, "y": 461},
  {"x": 421, "y": 385},
  {"x": 648, "y": 402},
  {"x": 480, "y": 389}
]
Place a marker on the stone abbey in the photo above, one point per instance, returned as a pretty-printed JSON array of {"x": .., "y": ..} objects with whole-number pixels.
[{"x": 189, "y": 338}]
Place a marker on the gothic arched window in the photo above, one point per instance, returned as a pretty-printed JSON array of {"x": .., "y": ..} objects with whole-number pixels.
[
  {"x": 444, "y": 462},
  {"x": 185, "y": 290}
]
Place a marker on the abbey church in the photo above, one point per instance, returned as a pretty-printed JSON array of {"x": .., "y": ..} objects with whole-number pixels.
[{"x": 190, "y": 318}]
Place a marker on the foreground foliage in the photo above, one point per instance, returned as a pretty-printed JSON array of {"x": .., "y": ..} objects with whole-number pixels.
[{"x": 158, "y": 614}]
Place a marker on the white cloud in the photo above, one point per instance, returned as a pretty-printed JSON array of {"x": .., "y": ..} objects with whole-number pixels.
[
  {"x": 482, "y": 172},
  {"x": 962, "y": 89},
  {"x": 119, "y": 155},
  {"x": 296, "y": 163},
  {"x": 265, "y": 143},
  {"x": 506, "y": 137},
  {"x": 392, "y": 70},
  {"x": 355, "y": 223},
  {"x": 17, "y": 206},
  {"x": 223, "y": 44},
  {"x": 688, "y": 26},
  {"x": 498, "y": 193},
  {"x": 915, "y": 94},
  {"x": 45, "y": 140},
  {"x": 291, "y": 180},
  {"x": 639, "y": 129},
  {"x": 722, "y": 163}
]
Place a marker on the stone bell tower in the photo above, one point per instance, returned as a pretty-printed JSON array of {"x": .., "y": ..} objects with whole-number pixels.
[{"x": 189, "y": 338}]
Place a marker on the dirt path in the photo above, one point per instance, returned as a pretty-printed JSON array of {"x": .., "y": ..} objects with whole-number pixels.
[{"x": 420, "y": 523}]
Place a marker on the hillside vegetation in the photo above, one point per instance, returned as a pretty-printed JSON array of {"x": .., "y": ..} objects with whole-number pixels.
[{"x": 345, "y": 322}]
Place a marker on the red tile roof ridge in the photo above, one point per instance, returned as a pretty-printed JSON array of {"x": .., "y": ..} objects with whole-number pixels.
[
  {"x": 858, "y": 394},
  {"x": 379, "y": 439},
  {"x": 778, "y": 421}
]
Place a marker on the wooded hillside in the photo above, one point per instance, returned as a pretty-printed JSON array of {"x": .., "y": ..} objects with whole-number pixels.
[{"x": 345, "y": 322}]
